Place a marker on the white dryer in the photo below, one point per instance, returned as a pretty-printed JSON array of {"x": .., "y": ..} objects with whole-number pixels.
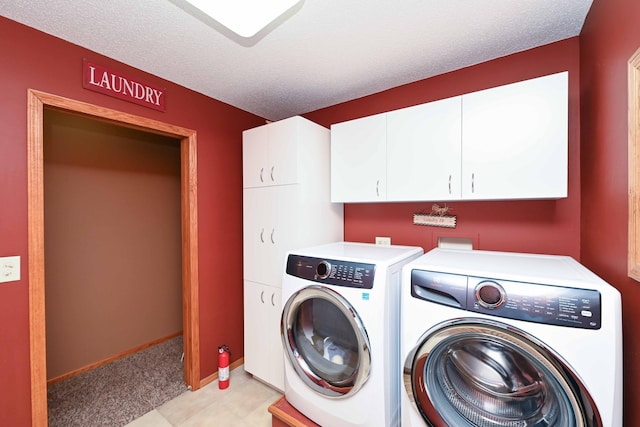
[
  {"x": 503, "y": 339},
  {"x": 340, "y": 326}
]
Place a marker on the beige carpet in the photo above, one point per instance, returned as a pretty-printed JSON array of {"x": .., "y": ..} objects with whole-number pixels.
[{"x": 119, "y": 392}]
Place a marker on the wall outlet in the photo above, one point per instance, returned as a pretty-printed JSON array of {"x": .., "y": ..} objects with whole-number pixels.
[
  {"x": 383, "y": 240},
  {"x": 9, "y": 269}
]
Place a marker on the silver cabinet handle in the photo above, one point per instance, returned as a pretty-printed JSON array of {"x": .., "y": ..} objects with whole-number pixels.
[
  {"x": 449, "y": 184},
  {"x": 262, "y": 296},
  {"x": 261, "y": 172},
  {"x": 272, "y": 303},
  {"x": 272, "y": 168},
  {"x": 262, "y": 235},
  {"x": 473, "y": 182},
  {"x": 378, "y": 188},
  {"x": 272, "y": 233}
]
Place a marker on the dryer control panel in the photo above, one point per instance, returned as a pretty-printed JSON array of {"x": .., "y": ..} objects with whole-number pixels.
[
  {"x": 332, "y": 272},
  {"x": 532, "y": 302}
]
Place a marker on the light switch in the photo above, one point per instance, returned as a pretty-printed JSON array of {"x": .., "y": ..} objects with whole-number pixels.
[{"x": 9, "y": 269}]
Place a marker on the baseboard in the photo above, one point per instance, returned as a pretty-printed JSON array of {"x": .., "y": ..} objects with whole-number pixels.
[
  {"x": 111, "y": 359},
  {"x": 211, "y": 378}
]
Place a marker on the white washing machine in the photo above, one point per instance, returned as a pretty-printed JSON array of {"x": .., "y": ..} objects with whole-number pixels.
[
  {"x": 340, "y": 326},
  {"x": 504, "y": 339}
]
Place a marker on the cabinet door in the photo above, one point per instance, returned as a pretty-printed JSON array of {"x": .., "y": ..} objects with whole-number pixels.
[
  {"x": 514, "y": 140},
  {"x": 269, "y": 230},
  {"x": 283, "y": 155},
  {"x": 259, "y": 219},
  {"x": 255, "y": 341},
  {"x": 269, "y": 154},
  {"x": 263, "y": 354},
  {"x": 358, "y": 160},
  {"x": 255, "y": 157},
  {"x": 424, "y": 151},
  {"x": 284, "y": 231},
  {"x": 272, "y": 323}
]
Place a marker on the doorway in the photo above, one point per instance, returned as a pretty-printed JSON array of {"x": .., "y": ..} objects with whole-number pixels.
[{"x": 38, "y": 103}]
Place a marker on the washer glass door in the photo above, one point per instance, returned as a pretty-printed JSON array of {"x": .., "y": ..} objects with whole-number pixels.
[
  {"x": 325, "y": 341},
  {"x": 472, "y": 372}
]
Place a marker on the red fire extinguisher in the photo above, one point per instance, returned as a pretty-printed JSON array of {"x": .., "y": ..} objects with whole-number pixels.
[{"x": 223, "y": 366}]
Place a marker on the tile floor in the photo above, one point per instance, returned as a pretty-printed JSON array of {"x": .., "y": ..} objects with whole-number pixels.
[{"x": 243, "y": 404}]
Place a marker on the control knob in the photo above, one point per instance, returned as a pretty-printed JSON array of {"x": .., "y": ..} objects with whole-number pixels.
[
  {"x": 323, "y": 270},
  {"x": 490, "y": 294}
]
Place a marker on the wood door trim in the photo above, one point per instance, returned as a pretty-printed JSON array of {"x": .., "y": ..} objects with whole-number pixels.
[
  {"x": 633, "y": 252},
  {"x": 37, "y": 102}
]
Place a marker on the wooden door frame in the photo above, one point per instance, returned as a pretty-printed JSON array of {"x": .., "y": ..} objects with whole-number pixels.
[
  {"x": 633, "y": 229},
  {"x": 37, "y": 103}
]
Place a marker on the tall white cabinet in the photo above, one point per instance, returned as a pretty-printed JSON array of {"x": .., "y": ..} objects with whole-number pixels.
[{"x": 286, "y": 205}]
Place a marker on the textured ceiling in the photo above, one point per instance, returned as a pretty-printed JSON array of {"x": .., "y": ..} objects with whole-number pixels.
[{"x": 320, "y": 53}]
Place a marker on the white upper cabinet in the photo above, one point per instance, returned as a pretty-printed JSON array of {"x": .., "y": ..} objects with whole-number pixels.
[
  {"x": 508, "y": 142},
  {"x": 515, "y": 140},
  {"x": 269, "y": 155},
  {"x": 423, "y": 146},
  {"x": 359, "y": 160}
]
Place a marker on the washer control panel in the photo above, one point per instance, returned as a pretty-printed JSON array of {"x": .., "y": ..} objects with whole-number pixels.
[
  {"x": 332, "y": 272},
  {"x": 532, "y": 302}
]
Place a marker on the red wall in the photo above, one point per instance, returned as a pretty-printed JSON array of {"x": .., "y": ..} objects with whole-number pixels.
[
  {"x": 610, "y": 36},
  {"x": 526, "y": 226},
  {"x": 31, "y": 59},
  {"x": 591, "y": 228}
]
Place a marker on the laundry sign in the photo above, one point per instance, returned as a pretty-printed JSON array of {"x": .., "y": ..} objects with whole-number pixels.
[{"x": 113, "y": 83}]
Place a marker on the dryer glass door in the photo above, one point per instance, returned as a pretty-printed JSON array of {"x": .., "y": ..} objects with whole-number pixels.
[
  {"x": 486, "y": 374},
  {"x": 325, "y": 341}
]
